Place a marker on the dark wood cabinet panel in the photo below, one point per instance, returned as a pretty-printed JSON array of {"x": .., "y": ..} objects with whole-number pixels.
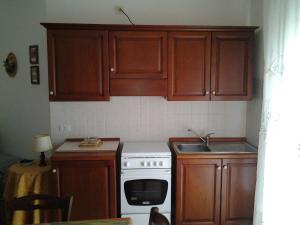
[
  {"x": 189, "y": 65},
  {"x": 138, "y": 63},
  {"x": 137, "y": 54},
  {"x": 231, "y": 70},
  {"x": 92, "y": 184},
  {"x": 78, "y": 65},
  {"x": 238, "y": 189},
  {"x": 198, "y": 188},
  {"x": 138, "y": 87}
]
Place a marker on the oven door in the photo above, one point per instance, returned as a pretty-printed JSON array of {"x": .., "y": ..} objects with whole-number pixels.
[{"x": 143, "y": 189}]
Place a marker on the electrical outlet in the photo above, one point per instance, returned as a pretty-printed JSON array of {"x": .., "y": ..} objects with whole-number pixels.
[
  {"x": 64, "y": 128},
  {"x": 61, "y": 128},
  {"x": 118, "y": 10}
]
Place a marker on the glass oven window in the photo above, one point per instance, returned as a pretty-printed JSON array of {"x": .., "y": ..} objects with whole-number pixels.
[{"x": 146, "y": 191}]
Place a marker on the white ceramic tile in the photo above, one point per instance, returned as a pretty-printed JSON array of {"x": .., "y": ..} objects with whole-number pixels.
[
  {"x": 199, "y": 123},
  {"x": 216, "y": 107},
  {"x": 180, "y": 107},
  {"x": 178, "y": 124},
  {"x": 146, "y": 118},
  {"x": 235, "y": 107},
  {"x": 235, "y": 124},
  {"x": 199, "y": 107},
  {"x": 216, "y": 124}
]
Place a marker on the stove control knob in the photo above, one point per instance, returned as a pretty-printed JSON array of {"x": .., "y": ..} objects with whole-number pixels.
[
  {"x": 143, "y": 164},
  {"x": 154, "y": 163},
  {"x": 148, "y": 163},
  {"x": 126, "y": 164},
  {"x": 161, "y": 163}
]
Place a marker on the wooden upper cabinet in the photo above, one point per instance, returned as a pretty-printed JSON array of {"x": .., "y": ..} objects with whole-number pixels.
[
  {"x": 189, "y": 65},
  {"x": 238, "y": 189},
  {"x": 231, "y": 70},
  {"x": 138, "y": 54},
  {"x": 78, "y": 65},
  {"x": 90, "y": 62},
  {"x": 138, "y": 63},
  {"x": 198, "y": 188}
]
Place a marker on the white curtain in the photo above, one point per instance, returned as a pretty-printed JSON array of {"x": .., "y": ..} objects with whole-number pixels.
[{"x": 277, "y": 198}]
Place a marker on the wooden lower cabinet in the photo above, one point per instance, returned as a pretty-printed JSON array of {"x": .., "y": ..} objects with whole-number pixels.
[
  {"x": 215, "y": 191},
  {"x": 238, "y": 189},
  {"x": 92, "y": 183},
  {"x": 198, "y": 191}
]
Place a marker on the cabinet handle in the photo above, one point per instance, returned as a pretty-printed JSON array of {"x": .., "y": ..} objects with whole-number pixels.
[
  {"x": 51, "y": 92},
  {"x": 54, "y": 171},
  {"x": 207, "y": 93},
  {"x": 218, "y": 167},
  {"x": 214, "y": 92},
  {"x": 225, "y": 167},
  {"x": 112, "y": 69}
]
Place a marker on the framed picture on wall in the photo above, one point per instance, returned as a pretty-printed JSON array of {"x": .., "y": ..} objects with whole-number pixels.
[
  {"x": 35, "y": 74},
  {"x": 34, "y": 54}
]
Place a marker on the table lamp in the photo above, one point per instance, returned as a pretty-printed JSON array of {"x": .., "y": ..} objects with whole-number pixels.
[{"x": 42, "y": 143}]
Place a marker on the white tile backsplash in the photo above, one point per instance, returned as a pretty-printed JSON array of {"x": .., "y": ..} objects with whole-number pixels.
[{"x": 145, "y": 118}]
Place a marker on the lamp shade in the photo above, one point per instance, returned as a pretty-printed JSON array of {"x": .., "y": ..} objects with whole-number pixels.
[{"x": 42, "y": 143}]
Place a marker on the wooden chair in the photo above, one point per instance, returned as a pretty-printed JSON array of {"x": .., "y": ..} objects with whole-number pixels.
[
  {"x": 41, "y": 202},
  {"x": 157, "y": 218}
]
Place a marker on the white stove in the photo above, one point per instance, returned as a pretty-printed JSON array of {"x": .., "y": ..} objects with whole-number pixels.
[
  {"x": 145, "y": 155},
  {"x": 145, "y": 180}
]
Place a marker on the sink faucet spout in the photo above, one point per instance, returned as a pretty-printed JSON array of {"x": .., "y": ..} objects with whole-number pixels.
[
  {"x": 205, "y": 139},
  {"x": 198, "y": 135}
]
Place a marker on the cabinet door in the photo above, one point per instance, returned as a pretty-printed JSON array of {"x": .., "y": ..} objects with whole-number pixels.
[
  {"x": 231, "y": 71},
  {"x": 78, "y": 65},
  {"x": 92, "y": 184},
  {"x": 189, "y": 65},
  {"x": 137, "y": 54},
  {"x": 198, "y": 188},
  {"x": 138, "y": 63},
  {"x": 238, "y": 188}
]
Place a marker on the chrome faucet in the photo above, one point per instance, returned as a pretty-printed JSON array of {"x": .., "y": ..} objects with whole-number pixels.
[{"x": 205, "y": 139}]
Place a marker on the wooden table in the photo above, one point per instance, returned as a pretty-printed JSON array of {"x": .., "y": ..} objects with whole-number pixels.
[{"x": 114, "y": 221}]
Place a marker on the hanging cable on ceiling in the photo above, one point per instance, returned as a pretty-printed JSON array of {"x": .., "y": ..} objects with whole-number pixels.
[{"x": 122, "y": 11}]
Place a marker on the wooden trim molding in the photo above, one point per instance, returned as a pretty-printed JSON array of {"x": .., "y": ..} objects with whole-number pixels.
[{"x": 121, "y": 27}]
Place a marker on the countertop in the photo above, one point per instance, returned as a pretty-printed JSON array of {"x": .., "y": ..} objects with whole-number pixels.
[
  {"x": 70, "y": 150},
  {"x": 73, "y": 146}
]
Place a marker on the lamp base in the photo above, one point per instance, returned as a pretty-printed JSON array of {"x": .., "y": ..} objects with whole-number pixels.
[{"x": 42, "y": 159}]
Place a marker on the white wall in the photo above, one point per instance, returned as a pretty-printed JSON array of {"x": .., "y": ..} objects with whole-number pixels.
[
  {"x": 254, "y": 107},
  {"x": 196, "y": 12},
  {"x": 148, "y": 118},
  {"x": 24, "y": 108}
]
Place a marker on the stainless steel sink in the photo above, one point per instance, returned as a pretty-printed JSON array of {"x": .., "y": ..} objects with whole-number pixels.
[
  {"x": 191, "y": 147},
  {"x": 214, "y": 148}
]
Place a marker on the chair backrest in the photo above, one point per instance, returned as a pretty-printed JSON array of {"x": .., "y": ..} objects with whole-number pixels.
[
  {"x": 2, "y": 212},
  {"x": 42, "y": 202},
  {"x": 157, "y": 218}
]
